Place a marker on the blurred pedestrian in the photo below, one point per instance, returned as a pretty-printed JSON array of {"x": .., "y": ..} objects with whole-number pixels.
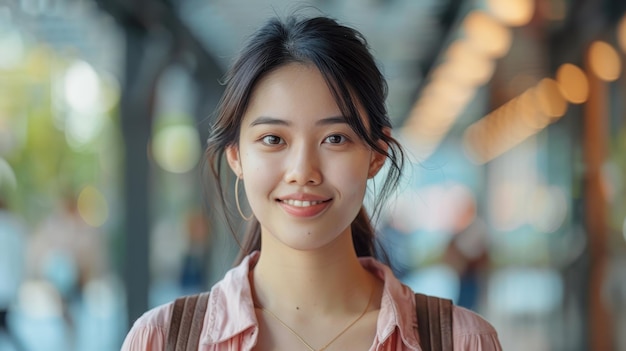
[
  {"x": 193, "y": 273},
  {"x": 468, "y": 253},
  {"x": 67, "y": 253}
]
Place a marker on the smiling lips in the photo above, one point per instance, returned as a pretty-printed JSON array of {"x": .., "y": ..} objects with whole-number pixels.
[{"x": 304, "y": 208}]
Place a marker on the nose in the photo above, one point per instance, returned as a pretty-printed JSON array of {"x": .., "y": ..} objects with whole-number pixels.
[{"x": 303, "y": 166}]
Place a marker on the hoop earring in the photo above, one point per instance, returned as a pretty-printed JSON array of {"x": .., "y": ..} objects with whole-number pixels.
[{"x": 237, "y": 202}]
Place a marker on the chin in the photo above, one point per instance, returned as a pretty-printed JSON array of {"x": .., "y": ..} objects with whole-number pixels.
[{"x": 309, "y": 240}]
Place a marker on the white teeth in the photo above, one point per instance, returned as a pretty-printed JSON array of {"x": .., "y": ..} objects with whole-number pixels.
[{"x": 298, "y": 203}]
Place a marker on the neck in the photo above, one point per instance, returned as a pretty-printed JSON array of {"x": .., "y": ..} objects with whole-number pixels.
[{"x": 325, "y": 280}]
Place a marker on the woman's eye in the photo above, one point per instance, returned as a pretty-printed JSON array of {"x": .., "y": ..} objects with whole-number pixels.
[
  {"x": 335, "y": 139},
  {"x": 272, "y": 140}
]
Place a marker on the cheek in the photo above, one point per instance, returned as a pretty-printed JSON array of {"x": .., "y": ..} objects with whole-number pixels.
[
  {"x": 350, "y": 174},
  {"x": 260, "y": 173},
  {"x": 256, "y": 166}
]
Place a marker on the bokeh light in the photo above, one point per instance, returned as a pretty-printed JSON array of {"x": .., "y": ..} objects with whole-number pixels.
[
  {"x": 39, "y": 298},
  {"x": 81, "y": 129},
  {"x": 177, "y": 148},
  {"x": 82, "y": 88},
  {"x": 465, "y": 66},
  {"x": 93, "y": 206},
  {"x": 573, "y": 83},
  {"x": 512, "y": 12},
  {"x": 486, "y": 34},
  {"x": 604, "y": 61}
]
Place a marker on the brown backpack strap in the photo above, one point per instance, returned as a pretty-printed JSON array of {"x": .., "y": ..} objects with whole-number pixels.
[
  {"x": 186, "y": 322},
  {"x": 434, "y": 322}
]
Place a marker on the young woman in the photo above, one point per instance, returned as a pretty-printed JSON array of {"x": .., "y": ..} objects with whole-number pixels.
[{"x": 303, "y": 126}]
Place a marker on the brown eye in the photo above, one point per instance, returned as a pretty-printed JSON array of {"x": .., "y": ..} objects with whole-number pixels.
[
  {"x": 335, "y": 139},
  {"x": 272, "y": 140}
]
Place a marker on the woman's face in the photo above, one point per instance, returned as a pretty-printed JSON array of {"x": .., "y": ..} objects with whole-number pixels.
[{"x": 304, "y": 169}]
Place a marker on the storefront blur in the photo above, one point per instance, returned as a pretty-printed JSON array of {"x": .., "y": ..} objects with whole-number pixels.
[{"x": 511, "y": 112}]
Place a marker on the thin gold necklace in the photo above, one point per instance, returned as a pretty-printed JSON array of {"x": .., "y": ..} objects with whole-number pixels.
[{"x": 369, "y": 301}]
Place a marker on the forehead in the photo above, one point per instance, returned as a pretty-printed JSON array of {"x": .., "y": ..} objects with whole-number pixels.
[
  {"x": 293, "y": 90},
  {"x": 296, "y": 90}
]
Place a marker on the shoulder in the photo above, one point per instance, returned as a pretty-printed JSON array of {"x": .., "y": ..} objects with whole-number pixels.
[
  {"x": 149, "y": 332},
  {"x": 466, "y": 322},
  {"x": 472, "y": 332}
]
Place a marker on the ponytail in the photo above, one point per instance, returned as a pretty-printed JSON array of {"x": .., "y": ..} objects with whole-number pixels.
[{"x": 363, "y": 237}]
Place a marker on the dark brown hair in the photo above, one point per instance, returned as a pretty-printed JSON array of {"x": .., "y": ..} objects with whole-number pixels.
[{"x": 342, "y": 56}]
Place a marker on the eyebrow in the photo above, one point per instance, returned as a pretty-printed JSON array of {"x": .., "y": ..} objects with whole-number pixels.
[{"x": 277, "y": 121}]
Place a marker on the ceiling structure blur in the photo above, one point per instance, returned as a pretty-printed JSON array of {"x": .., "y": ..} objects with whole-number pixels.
[{"x": 68, "y": 26}]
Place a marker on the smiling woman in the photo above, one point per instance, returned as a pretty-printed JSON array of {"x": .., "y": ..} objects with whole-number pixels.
[
  {"x": 305, "y": 170},
  {"x": 303, "y": 125}
]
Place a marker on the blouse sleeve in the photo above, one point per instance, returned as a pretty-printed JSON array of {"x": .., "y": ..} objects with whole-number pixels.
[
  {"x": 144, "y": 338},
  {"x": 473, "y": 333},
  {"x": 150, "y": 331}
]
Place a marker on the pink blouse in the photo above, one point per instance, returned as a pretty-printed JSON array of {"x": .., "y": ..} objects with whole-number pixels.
[{"x": 230, "y": 321}]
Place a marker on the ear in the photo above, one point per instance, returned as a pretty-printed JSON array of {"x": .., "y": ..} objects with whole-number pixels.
[
  {"x": 232, "y": 156},
  {"x": 377, "y": 160}
]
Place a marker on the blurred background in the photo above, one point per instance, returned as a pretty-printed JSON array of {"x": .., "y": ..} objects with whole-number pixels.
[{"x": 512, "y": 113}]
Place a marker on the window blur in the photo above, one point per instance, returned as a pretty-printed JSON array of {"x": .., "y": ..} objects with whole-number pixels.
[{"x": 513, "y": 203}]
